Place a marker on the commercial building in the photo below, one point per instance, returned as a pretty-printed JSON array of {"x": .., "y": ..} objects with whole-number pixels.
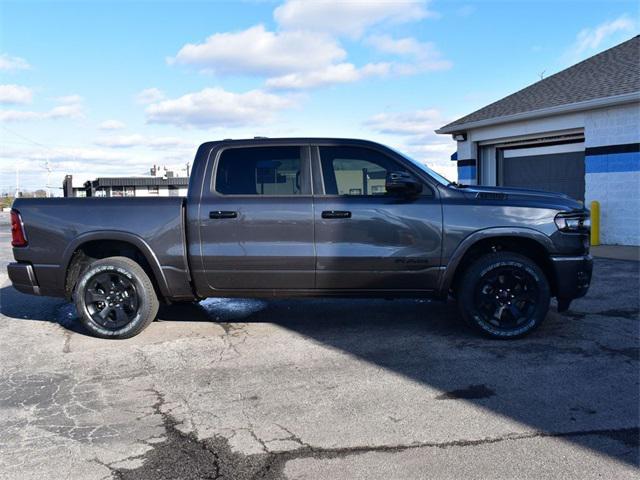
[
  {"x": 160, "y": 183},
  {"x": 576, "y": 132}
]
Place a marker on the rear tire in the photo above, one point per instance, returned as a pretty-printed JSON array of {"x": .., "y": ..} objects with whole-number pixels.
[
  {"x": 115, "y": 298},
  {"x": 504, "y": 295}
]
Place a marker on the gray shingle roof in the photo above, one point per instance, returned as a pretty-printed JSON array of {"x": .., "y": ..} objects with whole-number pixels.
[{"x": 613, "y": 72}]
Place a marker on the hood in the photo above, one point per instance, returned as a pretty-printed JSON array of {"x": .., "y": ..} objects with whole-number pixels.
[{"x": 559, "y": 201}]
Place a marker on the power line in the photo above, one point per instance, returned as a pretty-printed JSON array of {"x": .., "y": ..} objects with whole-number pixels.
[{"x": 33, "y": 142}]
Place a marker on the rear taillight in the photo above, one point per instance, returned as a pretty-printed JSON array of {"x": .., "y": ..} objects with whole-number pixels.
[{"x": 18, "y": 238}]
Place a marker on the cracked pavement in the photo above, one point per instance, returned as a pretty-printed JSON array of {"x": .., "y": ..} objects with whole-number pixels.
[{"x": 314, "y": 389}]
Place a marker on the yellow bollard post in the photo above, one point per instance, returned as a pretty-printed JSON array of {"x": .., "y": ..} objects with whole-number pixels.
[{"x": 595, "y": 223}]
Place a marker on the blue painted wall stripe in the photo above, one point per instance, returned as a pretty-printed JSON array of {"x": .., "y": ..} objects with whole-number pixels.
[
  {"x": 467, "y": 172},
  {"x": 613, "y": 162}
]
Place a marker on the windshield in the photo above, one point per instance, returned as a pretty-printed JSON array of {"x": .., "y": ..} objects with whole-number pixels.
[{"x": 436, "y": 176}]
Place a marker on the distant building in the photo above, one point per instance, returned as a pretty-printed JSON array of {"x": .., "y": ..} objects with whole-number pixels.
[
  {"x": 69, "y": 189},
  {"x": 160, "y": 183}
]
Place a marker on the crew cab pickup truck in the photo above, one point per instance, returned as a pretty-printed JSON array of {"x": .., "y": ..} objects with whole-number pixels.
[{"x": 306, "y": 217}]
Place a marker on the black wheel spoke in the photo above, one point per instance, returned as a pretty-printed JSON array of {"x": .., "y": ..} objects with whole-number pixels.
[
  {"x": 515, "y": 312},
  {"x": 525, "y": 297},
  {"x": 105, "y": 281},
  {"x": 104, "y": 313},
  {"x": 121, "y": 316},
  {"x": 95, "y": 296}
]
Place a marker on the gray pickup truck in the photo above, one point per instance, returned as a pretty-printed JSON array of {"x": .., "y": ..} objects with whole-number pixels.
[{"x": 306, "y": 217}]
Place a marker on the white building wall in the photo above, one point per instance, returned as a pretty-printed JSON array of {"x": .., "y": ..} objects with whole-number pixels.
[
  {"x": 612, "y": 126},
  {"x": 613, "y": 177},
  {"x": 162, "y": 192}
]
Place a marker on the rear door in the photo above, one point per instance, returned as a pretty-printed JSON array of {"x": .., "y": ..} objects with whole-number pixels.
[
  {"x": 256, "y": 220},
  {"x": 367, "y": 239}
]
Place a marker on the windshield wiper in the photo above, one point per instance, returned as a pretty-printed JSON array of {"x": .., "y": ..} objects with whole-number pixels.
[{"x": 456, "y": 184}]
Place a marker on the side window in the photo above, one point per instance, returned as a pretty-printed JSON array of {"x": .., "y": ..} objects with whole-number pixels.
[
  {"x": 262, "y": 171},
  {"x": 355, "y": 170}
]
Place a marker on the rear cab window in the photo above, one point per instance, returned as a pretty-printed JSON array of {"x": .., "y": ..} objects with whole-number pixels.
[{"x": 266, "y": 170}]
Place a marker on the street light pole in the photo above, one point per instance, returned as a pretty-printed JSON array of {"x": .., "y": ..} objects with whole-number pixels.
[{"x": 48, "y": 167}]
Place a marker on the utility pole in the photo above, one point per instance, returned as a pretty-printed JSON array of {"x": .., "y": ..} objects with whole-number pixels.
[
  {"x": 17, "y": 180},
  {"x": 48, "y": 168}
]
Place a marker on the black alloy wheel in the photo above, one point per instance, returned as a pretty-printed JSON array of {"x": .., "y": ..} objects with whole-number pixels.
[
  {"x": 111, "y": 300},
  {"x": 115, "y": 298},
  {"x": 504, "y": 295}
]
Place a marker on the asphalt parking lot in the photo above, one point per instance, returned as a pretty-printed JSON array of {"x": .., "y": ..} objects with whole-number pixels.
[{"x": 321, "y": 389}]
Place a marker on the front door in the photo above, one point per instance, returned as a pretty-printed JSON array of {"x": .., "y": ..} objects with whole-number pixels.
[
  {"x": 256, "y": 220},
  {"x": 366, "y": 238}
]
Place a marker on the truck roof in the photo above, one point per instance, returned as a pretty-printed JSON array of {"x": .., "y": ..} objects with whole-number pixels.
[{"x": 271, "y": 140}]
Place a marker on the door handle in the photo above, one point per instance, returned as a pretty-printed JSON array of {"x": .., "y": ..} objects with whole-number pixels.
[
  {"x": 336, "y": 214},
  {"x": 222, "y": 214}
]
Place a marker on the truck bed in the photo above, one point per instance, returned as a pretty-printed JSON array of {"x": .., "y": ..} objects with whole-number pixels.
[{"x": 56, "y": 227}]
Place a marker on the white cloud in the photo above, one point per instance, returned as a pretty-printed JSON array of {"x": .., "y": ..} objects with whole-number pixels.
[
  {"x": 397, "y": 46},
  {"x": 167, "y": 142},
  {"x": 416, "y": 130},
  {"x": 443, "y": 149},
  {"x": 121, "y": 141},
  {"x": 349, "y": 18},
  {"x": 150, "y": 95},
  {"x": 56, "y": 113},
  {"x": 589, "y": 40},
  {"x": 420, "y": 122},
  {"x": 69, "y": 99},
  {"x": 137, "y": 140},
  {"x": 68, "y": 107},
  {"x": 441, "y": 163},
  {"x": 306, "y": 53},
  {"x": 332, "y": 74},
  {"x": 256, "y": 51},
  {"x": 72, "y": 110},
  {"x": 466, "y": 10},
  {"x": 111, "y": 125},
  {"x": 9, "y": 63},
  {"x": 218, "y": 107},
  {"x": 425, "y": 56},
  {"x": 15, "y": 94},
  {"x": 61, "y": 158}
]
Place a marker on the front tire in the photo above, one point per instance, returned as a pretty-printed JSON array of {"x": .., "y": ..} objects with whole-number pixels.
[
  {"x": 504, "y": 295},
  {"x": 115, "y": 298}
]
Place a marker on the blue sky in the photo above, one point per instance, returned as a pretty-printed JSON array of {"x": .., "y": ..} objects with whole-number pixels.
[{"x": 111, "y": 88}]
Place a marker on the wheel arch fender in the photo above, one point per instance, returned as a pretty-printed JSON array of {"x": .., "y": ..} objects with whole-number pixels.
[
  {"x": 484, "y": 235},
  {"x": 119, "y": 236}
]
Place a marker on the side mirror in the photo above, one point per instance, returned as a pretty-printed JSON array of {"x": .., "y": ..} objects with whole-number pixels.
[{"x": 402, "y": 183}]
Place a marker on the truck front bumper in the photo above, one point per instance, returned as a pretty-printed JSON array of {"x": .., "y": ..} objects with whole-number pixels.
[
  {"x": 573, "y": 276},
  {"x": 23, "y": 278}
]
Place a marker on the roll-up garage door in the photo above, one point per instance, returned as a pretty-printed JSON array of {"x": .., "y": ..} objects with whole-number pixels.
[{"x": 556, "y": 168}]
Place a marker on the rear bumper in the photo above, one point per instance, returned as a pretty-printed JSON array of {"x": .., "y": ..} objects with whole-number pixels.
[
  {"x": 23, "y": 278},
  {"x": 573, "y": 276}
]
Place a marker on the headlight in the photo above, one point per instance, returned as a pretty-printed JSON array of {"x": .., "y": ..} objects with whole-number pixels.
[{"x": 573, "y": 222}]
